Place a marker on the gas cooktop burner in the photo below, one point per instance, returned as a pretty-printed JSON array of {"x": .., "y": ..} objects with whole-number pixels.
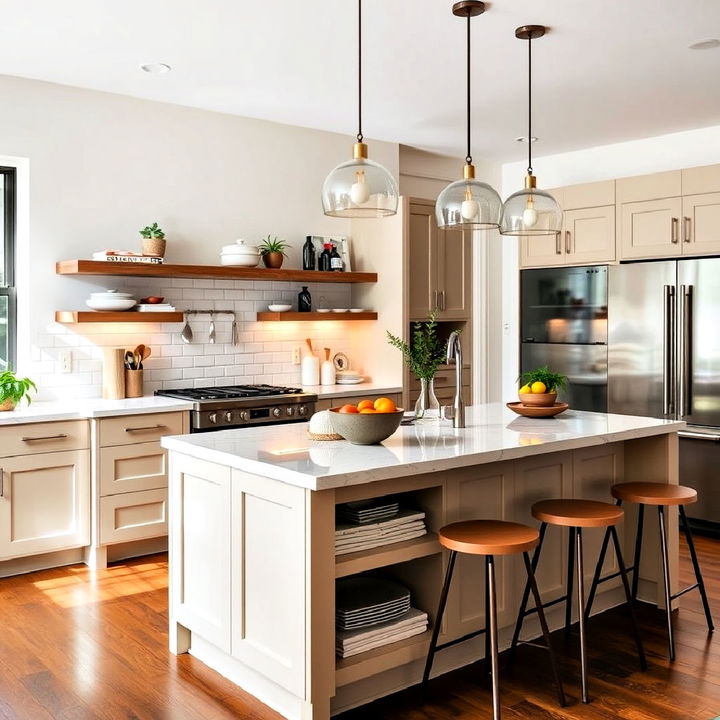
[{"x": 229, "y": 393}]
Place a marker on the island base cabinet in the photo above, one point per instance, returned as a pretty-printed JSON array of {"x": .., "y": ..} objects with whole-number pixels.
[{"x": 44, "y": 503}]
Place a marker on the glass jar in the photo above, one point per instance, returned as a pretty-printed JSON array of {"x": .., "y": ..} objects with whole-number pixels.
[{"x": 427, "y": 407}]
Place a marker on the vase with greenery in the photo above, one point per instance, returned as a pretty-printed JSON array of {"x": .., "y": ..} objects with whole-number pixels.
[
  {"x": 272, "y": 250},
  {"x": 13, "y": 389},
  {"x": 423, "y": 355},
  {"x": 153, "y": 240}
]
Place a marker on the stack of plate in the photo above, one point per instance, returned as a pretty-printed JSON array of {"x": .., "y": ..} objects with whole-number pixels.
[
  {"x": 354, "y": 642},
  {"x": 366, "y": 511},
  {"x": 364, "y": 601},
  {"x": 353, "y": 537}
]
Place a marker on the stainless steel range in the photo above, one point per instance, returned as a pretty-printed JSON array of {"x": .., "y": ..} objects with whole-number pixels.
[{"x": 235, "y": 406}]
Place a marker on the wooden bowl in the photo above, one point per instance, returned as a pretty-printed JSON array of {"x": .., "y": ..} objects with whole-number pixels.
[
  {"x": 537, "y": 411},
  {"x": 538, "y": 399},
  {"x": 366, "y": 429}
]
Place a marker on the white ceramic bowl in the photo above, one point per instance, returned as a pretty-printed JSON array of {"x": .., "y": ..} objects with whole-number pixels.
[
  {"x": 357, "y": 310},
  {"x": 323, "y": 310},
  {"x": 110, "y": 294},
  {"x": 239, "y": 260},
  {"x": 339, "y": 310},
  {"x": 107, "y": 304},
  {"x": 279, "y": 307}
]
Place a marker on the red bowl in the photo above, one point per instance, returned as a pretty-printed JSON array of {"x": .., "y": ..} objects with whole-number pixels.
[{"x": 154, "y": 300}]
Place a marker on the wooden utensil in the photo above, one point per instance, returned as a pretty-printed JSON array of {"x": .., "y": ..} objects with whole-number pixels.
[
  {"x": 308, "y": 342},
  {"x": 327, "y": 354},
  {"x": 138, "y": 356},
  {"x": 146, "y": 353}
]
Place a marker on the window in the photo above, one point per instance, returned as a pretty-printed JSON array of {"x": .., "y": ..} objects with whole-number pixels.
[{"x": 7, "y": 268}]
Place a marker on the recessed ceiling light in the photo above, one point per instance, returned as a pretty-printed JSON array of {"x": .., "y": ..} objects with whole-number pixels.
[
  {"x": 523, "y": 138},
  {"x": 706, "y": 44},
  {"x": 156, "y": 68}
]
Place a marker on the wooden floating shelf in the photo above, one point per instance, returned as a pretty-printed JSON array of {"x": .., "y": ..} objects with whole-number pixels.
[
  {"x": 385, "y": 555},
  {"x": 98, "y": 316},
  {"x": 119, "y": 269},
  {"x": 295, "y": 316}
]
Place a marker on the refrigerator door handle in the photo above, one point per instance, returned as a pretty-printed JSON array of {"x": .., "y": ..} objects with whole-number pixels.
[
  {"x": 669, "y": 351},
  {"x": 685, "y": 375}
]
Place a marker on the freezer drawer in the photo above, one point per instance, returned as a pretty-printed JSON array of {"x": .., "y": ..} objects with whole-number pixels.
[{"x": 699, "y": 460}]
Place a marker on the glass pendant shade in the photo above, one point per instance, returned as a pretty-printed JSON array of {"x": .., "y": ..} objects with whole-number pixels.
[
  {"x": 531, "y": 212},
  {"x": 360, "y": 188},
  {"x": 468, "y": 205}
]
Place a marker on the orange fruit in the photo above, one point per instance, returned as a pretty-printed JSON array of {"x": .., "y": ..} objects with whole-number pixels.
[
  {"x": 348, "y": 409},
  {"x": 363, "y": 404},
  {"x": 367, "y": 411},
  {"x": 385, "y": 405}
]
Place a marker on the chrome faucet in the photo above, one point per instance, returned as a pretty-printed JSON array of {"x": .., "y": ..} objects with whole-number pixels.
[{"x": 454, "y": 353}]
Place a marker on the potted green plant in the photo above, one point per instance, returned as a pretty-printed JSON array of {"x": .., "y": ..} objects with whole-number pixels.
[
  {"x": 423, "y": 355},
  {"x": 153, "y": 240},
  {"x": 540, "y": 387},
  {"x": 13, "y": 389},
  {"x": 272, "y": 251}
]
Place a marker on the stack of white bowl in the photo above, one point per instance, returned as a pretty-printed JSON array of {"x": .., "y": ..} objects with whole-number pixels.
[
  {"x": 111, "y": 301},
  {"x": 240, "y": 253}
]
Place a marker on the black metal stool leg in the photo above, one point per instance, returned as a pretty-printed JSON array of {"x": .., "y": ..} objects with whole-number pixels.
[
  {"x": 569, "y": 589},
  {"x": 581, "y": 613},
  {"x": 526, "y": 595},
  {"x": 696, "y": 567},
  {"x": 438, "y": 619},
  {"x": 638, "y": 550},
  {"x": 486, "y": 668},
  {"x": 666, "y": 579},
  {"x": 492, "y": 612},
  {"x": 628, "y": 597},
  {"x": 598, "y": 570},
  {"x": 545, "y": 630}
]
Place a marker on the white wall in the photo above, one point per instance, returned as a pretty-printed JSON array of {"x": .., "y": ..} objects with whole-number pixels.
[
  {"x": 101, "y": 166},
  {"x": 637, "y": 157}
]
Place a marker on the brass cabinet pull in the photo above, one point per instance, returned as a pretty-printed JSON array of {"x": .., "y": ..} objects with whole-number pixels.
[
  {"x": 686, "y": 229},
  {"x": 2, "y": 483},
  {"x": 442, "y": 299},
  {"x": 61, "y": 436},
  {"x": 558, "y": 244},
  {"x": 435, "y": 300},
  {"x": 145, "y": 429},
  {"x": 568, "y": 237},
  {"x": 674, "y": 222}
]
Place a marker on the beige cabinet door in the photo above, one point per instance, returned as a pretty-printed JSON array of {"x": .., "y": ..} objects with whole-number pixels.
[
  {"x": 541, "y": 251},
  {"x": 589, "y": 235},
  {"x": 701, "y": 224},
  {"x": 650, "y": 228},
  {"x": 422, "y": 261},
  {"x": 454, "y": 274},
  {"x": 133, "y": 516},
  {"x": 129, "y": 468},
  {"x": 44, "y": 503}
]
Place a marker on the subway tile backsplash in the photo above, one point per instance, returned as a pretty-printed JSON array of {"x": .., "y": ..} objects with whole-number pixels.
[{"x": 263, "y": 355}]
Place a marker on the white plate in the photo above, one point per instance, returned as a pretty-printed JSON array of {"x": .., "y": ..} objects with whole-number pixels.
[
  {"x": 339, "y": 310},
  {"x": 355, "y": 381},
  {"x": 118, "y": 305},
  {"x": 357, "y": 310},
  {"x": 323, "y": 310}
]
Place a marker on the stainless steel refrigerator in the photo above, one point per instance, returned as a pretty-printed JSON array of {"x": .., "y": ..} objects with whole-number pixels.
[
  {"x": 664, "y": 361},
  {"x": 563, "y": 324}
]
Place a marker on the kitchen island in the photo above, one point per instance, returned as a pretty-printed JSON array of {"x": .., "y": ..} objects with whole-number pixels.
[{"x": 252, "y": 536}]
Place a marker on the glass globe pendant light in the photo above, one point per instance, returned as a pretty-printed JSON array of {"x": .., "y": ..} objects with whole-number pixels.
[
  {"x": 468, "y": 204},
  {"x": 531, "y": 211},
  {"x": 360, "y": 188}
]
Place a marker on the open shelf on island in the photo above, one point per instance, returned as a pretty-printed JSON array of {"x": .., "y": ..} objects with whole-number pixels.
[
  {"x": 165, "y": 270},
  {"x": 385, "y": 555},
  {"x": 98, "y": 316},
  {"x": 295, "y": 316}
]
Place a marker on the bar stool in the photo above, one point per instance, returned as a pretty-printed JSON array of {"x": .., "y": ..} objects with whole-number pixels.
[
  {"x": 662, "y": 496},
  {"x": 489, "y": 538},
  {"x": 577, "y": 515}
]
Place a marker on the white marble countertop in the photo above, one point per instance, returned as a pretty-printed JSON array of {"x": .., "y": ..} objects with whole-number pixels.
[
  {"x": 493, "y": 433},
  {"x": 366, "y": 388},
  {"x": 83, "y": 409}
]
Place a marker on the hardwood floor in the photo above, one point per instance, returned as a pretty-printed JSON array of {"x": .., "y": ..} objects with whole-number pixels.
[{"x": 74, "y": 646}]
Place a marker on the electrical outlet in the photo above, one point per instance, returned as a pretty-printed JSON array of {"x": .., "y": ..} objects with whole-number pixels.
[
  {"x": 65, "y": 358},
  {"x": 296, "y": 355}
]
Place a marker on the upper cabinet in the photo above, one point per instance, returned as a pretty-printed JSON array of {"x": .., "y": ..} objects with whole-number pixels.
[
  {"x": 440, "y": 267},
  {"x": 701, "y": 210},
  {"x": 588, "y": 234}
]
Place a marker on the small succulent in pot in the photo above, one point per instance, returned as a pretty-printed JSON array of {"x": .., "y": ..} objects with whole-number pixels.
[
  {"x": 540, "y": 387},
  {"x": 272, "y": 250},
  {"x": 153, "y": 240},
  {"x": 13, "y": 389}
]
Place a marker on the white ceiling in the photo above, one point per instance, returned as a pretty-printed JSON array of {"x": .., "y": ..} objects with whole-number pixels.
[{"x": 610, "y": 70}]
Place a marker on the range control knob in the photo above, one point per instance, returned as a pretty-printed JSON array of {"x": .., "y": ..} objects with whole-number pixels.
[
  {"x": 290, "y": 411},
  {"x": 302, "y": 410},
  {"x": 244, "y": 415},
  {"x": 228, "y": 417},
  {"x": 213, "y": 418},
  {"x": 276, "y": 412}
]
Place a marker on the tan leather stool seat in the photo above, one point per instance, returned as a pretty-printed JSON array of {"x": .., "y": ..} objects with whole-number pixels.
[
  {"x": 488, "y": 537},
  {"x": 650, "y": 493},
  {"x": 577, "y": 513}
]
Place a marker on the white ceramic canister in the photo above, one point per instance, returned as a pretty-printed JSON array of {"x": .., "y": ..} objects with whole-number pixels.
[{"x": 327, "y": 370}]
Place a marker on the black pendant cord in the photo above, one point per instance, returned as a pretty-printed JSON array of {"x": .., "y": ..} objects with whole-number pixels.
[
  {"x": 359, "y": 135},
  {"x": 529, "y": 139},
  {"x": 468, "y": 157}
]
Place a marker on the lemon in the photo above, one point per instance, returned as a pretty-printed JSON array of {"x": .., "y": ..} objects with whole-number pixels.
[
  {"x": 538, "y": 387},
  {"x": 524, "y": 389}
]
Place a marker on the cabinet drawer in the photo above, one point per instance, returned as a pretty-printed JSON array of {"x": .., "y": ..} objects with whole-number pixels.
[
  {"x": 131, "y": 429},
  {"x": 443, "y": 378},
  {"x": 133, "y": 516},
  {"x": 44, "y": 437},
  {"x": 128, "y": 468}
]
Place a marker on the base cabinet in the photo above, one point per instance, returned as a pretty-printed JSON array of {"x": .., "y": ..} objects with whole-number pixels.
[
  {"x": 133, "y": 516},
  {"x": 44, "y": 503}
]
